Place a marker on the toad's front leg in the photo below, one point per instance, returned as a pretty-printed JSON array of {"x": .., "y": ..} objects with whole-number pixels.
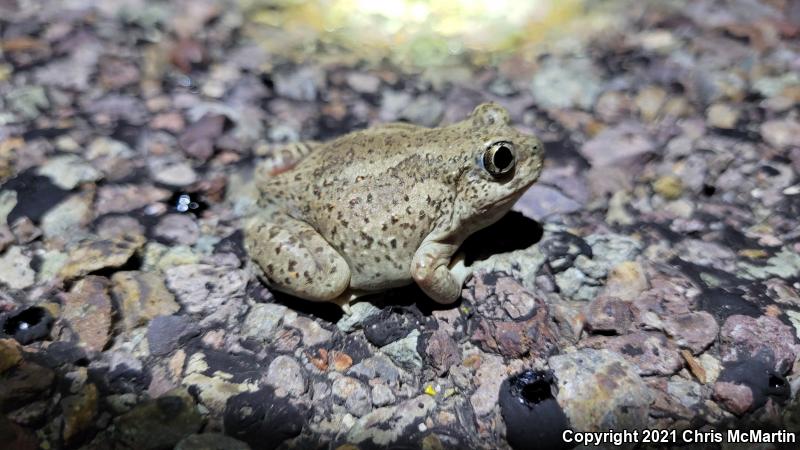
[{"x": 436, "y": 273}]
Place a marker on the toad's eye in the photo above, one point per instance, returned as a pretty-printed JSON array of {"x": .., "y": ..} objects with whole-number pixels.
[{"x": 499, "y": 159}]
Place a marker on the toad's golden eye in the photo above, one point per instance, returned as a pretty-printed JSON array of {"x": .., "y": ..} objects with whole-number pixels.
[{"x": 499, "y": 159}]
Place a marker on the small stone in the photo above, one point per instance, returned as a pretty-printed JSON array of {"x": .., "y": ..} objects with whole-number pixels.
[
  {"x": 198, "y": 139},
  {"x": 651, "y": 352},
  {"x": 158, "y": 423},
  {"x": 611, "y": 395},
  {"x": 25, "y": 231},
  {"x": 178, "y": 228},
  {"x": 606, "y": 314},
  {"x": 79, "y": 411},
  {"x": 669, "y": 186},
  {"x": 488, "y": 378},
  {"x": 87, "y": 309},
  {"x": 384, "y": 426},
  {"x": 204, "y": 288},
  {"x": 782, "y": 133},
  {"x": 378, "y": 366},
  {"x": 211, "y": 441},
  {"x": 626, "y": 281},
  {"x": 166, "y": 333},
  {"x": 214, "y": 391},
  {"x": 24, "y": 384},
  {"x": 382, "y": 395},
  {"x": 359, "y": 313},
  {"x": 68, "y": 171},
  {"x": 69, "y": 216},
  {"x": 179, "y": 174},
  {"x": 340, "y": 361},
  {"x": 262, "y": 321},
  {"x": 694, "y": 330},
  {"x": 313, "y": 333},
  {"x": 141, "y": 296},
  {"x": 442, "y": 352},
  {"x": 569, "y": 83},
  {"x": 365, "y": 83},
  {"x": 286, "y": 376},
  {"x": 10, "y": 354},
  {"x": 540, "y": 202},
  {"x": 649, "y": 102},
  {"x": 744, "y": 337},
  {"x": 722, "y": 115},
  {"x": 353, "y": 394},
  {"x": 123, "y": 198},
  {"x": 404, "y": 351},
  {"x": 15, "y": 269},
  {"x": 617, "y": 144},
  {"x": 301, "y": 84},
  {"x": 96, "y": 254},
  {"x": 736, "y": 398}
]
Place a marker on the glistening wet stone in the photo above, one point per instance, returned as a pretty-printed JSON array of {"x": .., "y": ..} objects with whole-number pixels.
[{"x": 533, "y": 417}]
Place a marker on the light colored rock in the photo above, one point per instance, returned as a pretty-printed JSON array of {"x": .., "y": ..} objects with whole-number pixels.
[
  {"x": 15, "y": 269},
  {"x": 286, "y": 376}
]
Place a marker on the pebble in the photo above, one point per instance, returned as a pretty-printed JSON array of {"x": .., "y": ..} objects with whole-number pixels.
[
  {"x": 158, "y": 423},
  {"x": 313, "y": 333},
  {"x": 626, "y": 281},
  {"x": 609, "y": 395},
  {"x": 95, "y": 254},
  {"x": 68, "y": 171},
  {"x": 141, "y": 296},
  {"x": 617, "y": 144},
  {"x": 442, "y": 352},
  {"x": 262, "y": 321},
  {"x": 178, "y": 228},
  {"x": 15, "y": 269},
  {"x": 488, "y": 379},
  {"x": 382, "y": 395},
  {"x": 10, "y": 354},
  {"x": 353, "y": 395},
  {"x": 377, "y": 366},
  {"x": 566, "y": 83},
  {"x": 262, "y": 419},
  {"x": 178, "y": 174},
  {"x": 385, "y": 426},
  {"x": 202, "y": 288},
  {"x": 79, "y": 411},
  {"x": 695, "y": 330},
  {"x": 781, "y": 133},
  {"x": 166, "y": 333},
  {"x": 24, "y": 384},
  {"x": 609, "y": 314},
  {"x": 722, "y": 115},
  {"x": 286, "y": 376},
  {"x": 88, "y": 310},
  {"x": 70, "y": 217},
  {"x": 651, "y": 352},
  {"x": 404, "y": 351},
  {"x": 540, "y": 202}
]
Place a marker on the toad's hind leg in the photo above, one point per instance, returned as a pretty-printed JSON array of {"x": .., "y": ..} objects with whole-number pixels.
[{"x": 296, "y": 259}]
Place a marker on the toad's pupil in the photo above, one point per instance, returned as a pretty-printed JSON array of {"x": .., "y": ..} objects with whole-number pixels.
[{"x": 503, "y": 158}]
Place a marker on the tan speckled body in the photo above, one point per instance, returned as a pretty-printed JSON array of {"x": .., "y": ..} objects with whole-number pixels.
[{"x": 387, "y": 206}]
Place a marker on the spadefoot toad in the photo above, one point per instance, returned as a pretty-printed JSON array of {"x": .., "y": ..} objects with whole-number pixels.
[{"x": 390, "y": 205}]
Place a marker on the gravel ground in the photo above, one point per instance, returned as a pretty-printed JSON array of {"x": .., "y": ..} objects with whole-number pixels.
[{"x": 649, "y": 280}]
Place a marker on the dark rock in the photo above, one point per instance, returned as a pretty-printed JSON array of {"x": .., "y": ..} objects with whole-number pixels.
[
  {"x": 210, "y": 441},
  {"x": 562, "y": 248},
  {"x": 15, "y": 437},
  {"x": 158, "y": 423},
  {"x": 165, "y": 333},
  {"x": 28, "y": 325},
  {"x": 746, "y": 385},
  {"x": 744, "y": 337},
  {"x": 388, "y": 326},
  {"x": 23, "y": 384},
  {"x": 533, "y": 417},
  {"x": 262, "y": 419}
]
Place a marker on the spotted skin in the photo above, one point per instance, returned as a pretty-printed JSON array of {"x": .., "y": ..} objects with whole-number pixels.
[{"x": 388, "y": 206}]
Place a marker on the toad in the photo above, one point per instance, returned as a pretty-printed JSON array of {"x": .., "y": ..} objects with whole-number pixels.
[{"x": 387, "y": 206}]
